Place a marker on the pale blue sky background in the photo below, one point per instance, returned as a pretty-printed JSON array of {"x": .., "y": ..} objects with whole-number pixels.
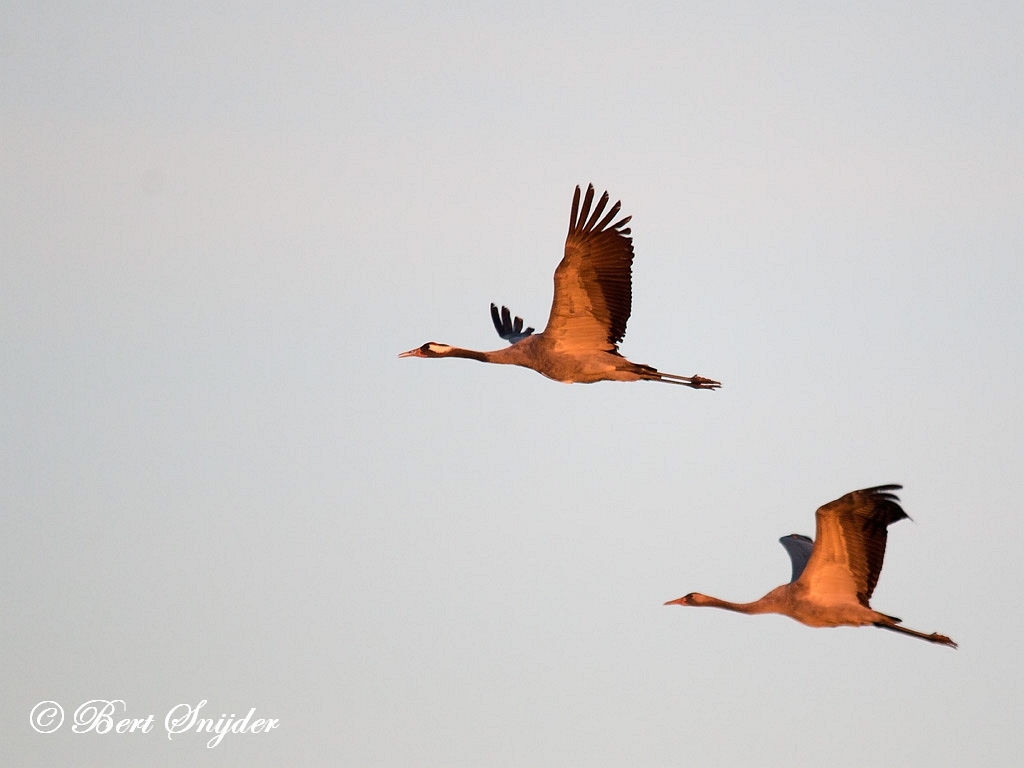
[{"x": 220, "y": 223}]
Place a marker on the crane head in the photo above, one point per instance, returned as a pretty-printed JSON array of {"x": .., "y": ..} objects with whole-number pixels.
[
  {"x": 690, "y": 599},
  {"x": 430, "y": 349}
]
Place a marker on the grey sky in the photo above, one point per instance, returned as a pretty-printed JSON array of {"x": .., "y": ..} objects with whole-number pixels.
[{"x": 220, "y": 224}]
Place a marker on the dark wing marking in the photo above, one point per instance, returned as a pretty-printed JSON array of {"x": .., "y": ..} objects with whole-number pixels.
[
  {"x": 799, "y": 548},
  {"x": 593, "y": 282},
  {"x": 851, "y": 536},
  {"x": 509, "y": 329}
]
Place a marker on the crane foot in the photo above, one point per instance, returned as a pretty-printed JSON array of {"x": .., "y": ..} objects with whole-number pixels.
[{"x": 699, "y": 382}]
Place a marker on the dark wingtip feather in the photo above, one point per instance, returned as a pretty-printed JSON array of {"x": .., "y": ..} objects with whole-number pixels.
[
  {"x": 590, "y": 226},
  {"x": 885, "y": 488},
  {"x": 888, "y": 509},
  {"x": 610, "y": 215},
  {"x": 508, "y": 328},
  {"x": 583, "y": 220},
  {"x": 887, "y": 492},
  {"x": 799, "y": 537},
  {"x": 495, "y": 319},
  {"x": 588, "y": 199}
]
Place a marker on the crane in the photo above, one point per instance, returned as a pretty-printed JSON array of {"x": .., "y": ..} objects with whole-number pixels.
[
  {"x": 592, "y": 302},
  {"x": 834, "y": 576}
]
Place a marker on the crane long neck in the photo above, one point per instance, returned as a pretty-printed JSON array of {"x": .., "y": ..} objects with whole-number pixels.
[
  {"x": 764, "y": 605},
  {"x": 513, "y": 355},
  {"x": 470, "y": 354}
]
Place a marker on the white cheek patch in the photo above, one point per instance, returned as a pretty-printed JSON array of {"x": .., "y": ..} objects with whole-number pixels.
[{"x": 439, "y": 348}]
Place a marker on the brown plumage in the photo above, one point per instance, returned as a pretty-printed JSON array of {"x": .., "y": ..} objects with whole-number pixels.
[
  {"x": 591, "y": 306},
  {"x": 834, "y": 577}
]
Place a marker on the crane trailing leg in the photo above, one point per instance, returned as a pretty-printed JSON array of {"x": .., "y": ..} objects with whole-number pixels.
[{"x": 934, "y": 637}]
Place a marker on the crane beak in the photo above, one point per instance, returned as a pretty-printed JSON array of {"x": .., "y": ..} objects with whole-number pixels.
[
  {"x": 412, "y": 353},
  {"x": 677, "y": 601}
]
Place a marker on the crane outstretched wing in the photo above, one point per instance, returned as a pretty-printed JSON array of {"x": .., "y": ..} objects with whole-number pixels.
[
  {"x": 849, "y": 544},
  {"x": 593, "y": 282},
  {"x": 509, "y": 329}
]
